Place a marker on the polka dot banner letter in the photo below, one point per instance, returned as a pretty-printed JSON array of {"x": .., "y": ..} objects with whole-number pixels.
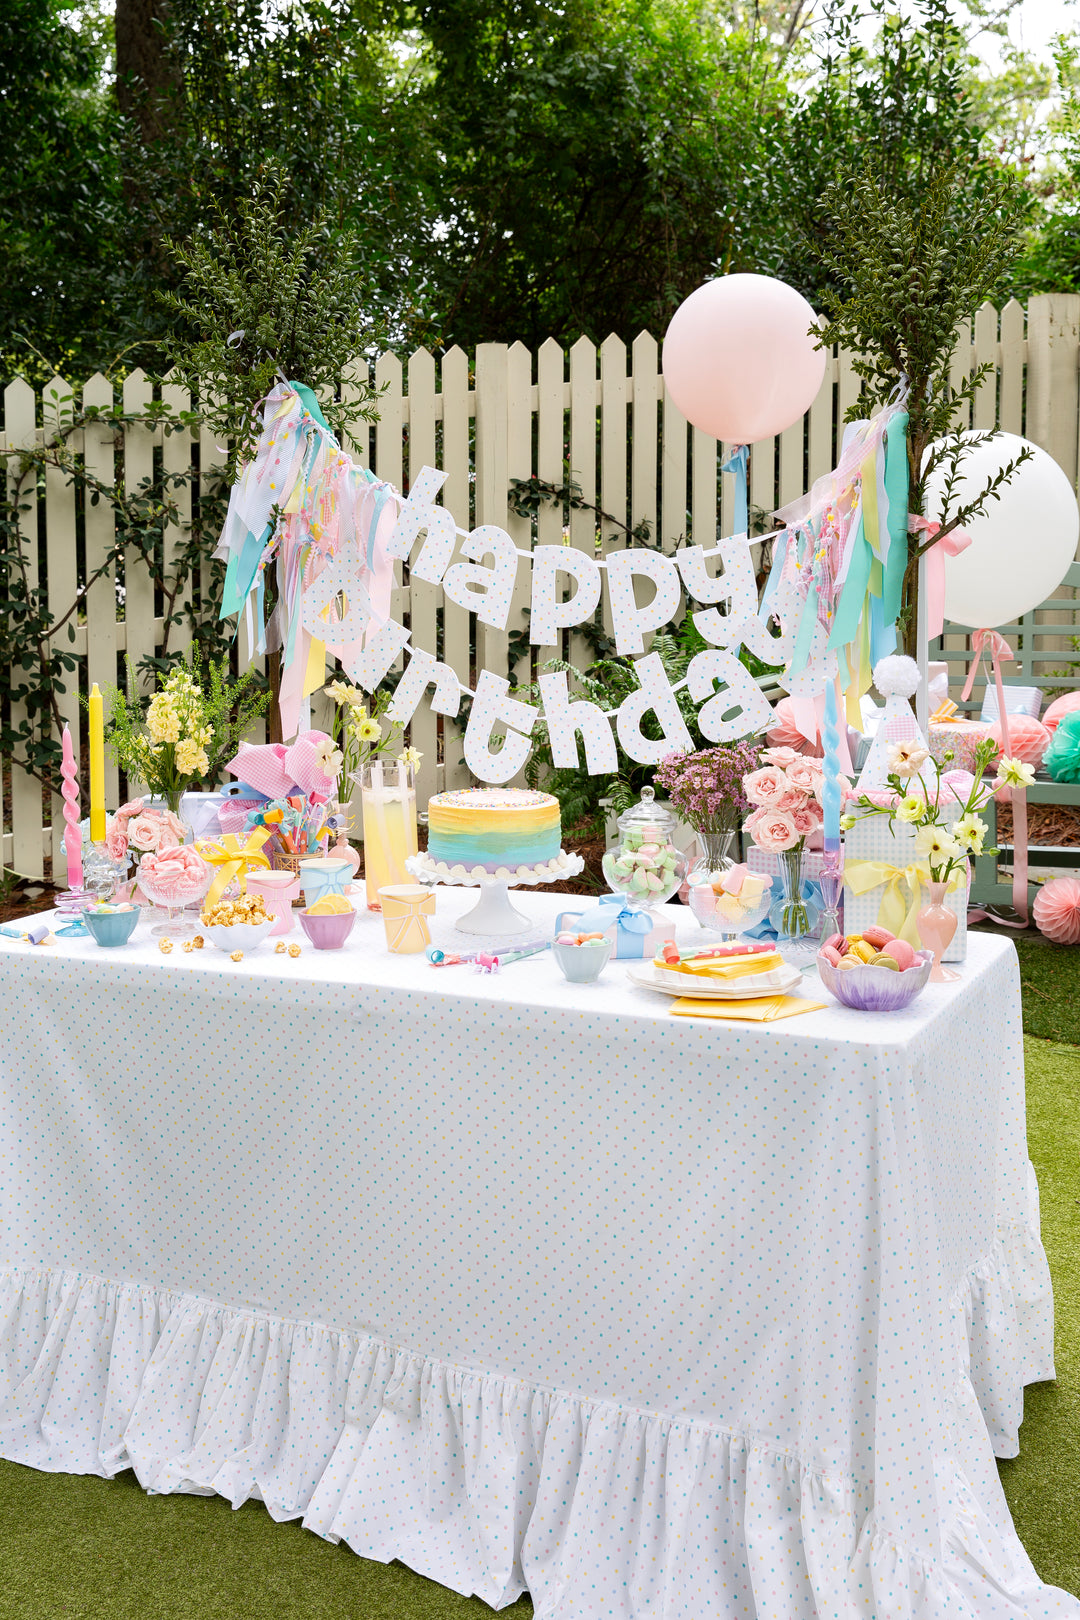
[
  {"x": 493, "y": 710},
  {"x": 654, "y": 696},
  {"x": 487, "y": 592},
  {"x": 547, "y": 615},
  {"x": 630, "y": 621}
]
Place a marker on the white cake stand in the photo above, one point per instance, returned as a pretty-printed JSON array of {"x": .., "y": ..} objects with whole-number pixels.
[{"x": 493, "y": 914}]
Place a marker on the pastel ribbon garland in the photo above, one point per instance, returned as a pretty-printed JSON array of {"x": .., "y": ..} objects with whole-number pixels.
[
  {"x": 898, "y": 915},
  {"x": 989, "y": 644},
  {"x": 950, "y": 545},
  {"x": 233, "y": 860}
]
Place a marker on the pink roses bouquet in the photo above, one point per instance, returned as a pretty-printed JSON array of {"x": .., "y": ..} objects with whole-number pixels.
[
  {"x": 135, "y": 828},
  {"x": 787, "y": 792}
]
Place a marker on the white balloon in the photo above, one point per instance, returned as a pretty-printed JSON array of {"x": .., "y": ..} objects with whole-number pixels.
[{"x": 1021, "y": 546}]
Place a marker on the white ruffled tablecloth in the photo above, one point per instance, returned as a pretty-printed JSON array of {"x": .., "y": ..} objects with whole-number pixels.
[{"x": 532, "y": 1285}]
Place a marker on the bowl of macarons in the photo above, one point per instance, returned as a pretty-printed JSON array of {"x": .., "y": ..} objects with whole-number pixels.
[{"x": 873, "y": 971}]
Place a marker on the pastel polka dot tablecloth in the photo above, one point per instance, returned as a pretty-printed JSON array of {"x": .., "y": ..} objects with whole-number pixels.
[{"x": 531, "y": 1285}]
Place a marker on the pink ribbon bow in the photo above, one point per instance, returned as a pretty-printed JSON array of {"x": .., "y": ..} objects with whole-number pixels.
[{"x": 950, "y": 545}]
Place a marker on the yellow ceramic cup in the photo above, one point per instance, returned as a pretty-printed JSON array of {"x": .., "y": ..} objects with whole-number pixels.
[{"x": 405, "y": 910}]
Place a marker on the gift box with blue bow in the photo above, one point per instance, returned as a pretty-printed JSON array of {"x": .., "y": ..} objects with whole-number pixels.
[{"x": 638, "y": 933}]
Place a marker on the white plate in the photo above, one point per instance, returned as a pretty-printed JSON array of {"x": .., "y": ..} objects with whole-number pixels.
[{"x": 782, "y": 981}]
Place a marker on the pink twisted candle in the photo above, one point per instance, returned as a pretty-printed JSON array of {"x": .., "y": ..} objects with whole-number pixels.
[{"x": 70, "y": 792}]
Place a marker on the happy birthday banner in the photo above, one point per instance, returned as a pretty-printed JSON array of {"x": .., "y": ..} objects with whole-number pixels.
[{"x": 334, "y": 531}]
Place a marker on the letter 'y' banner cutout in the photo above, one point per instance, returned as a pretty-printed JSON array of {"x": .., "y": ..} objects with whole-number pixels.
[{"x": 332, "y": 532}]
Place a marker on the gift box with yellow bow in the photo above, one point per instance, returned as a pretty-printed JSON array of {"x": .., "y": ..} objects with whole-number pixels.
[
  {"x": 233, "y": 857},
  {"x": 885, "y": 882}
]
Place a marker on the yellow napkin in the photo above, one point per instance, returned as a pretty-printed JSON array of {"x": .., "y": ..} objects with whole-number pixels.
[
  {"x": 739, "y": 967},
  {"x": 762, "y": 1010}
]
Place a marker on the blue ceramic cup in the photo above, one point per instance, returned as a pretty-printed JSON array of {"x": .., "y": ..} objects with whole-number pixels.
[
  {"x": 324, "y": 874},
  {"x": 112, "y": 927}
]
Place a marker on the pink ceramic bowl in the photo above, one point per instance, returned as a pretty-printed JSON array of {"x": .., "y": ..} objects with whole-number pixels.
[{"x": 328, "y": 933}]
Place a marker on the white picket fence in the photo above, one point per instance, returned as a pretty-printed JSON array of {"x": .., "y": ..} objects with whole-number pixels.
[{"x": 601, "y": 417}]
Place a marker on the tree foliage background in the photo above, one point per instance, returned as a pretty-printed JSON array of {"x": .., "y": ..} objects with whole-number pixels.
[{"x": 498, "y": 169}]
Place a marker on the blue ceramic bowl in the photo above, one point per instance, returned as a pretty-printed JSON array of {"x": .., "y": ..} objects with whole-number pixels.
[
  {"x": 875, "y": 989},
  {"x": 583, "y": 964},
  {"x": 112, "y": 927}
]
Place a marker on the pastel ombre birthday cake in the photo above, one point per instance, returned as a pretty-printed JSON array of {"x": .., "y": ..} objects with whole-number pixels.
[{"x": 497, "y": 829}]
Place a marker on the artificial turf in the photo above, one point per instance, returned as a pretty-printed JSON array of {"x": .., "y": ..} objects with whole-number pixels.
[{"x": 93, "y": 1549}]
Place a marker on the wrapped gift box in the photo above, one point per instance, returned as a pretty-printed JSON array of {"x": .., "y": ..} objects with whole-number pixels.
[
  {"x": 872, "y": 839},
  {"x": 960, "y": 738},
  {"x": 631, "y": 938}
]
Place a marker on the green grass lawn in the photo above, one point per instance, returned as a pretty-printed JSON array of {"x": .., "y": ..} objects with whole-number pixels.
[
  {"x": 1043, "y": 1483},
  {"x": 80, "y": 1547}
]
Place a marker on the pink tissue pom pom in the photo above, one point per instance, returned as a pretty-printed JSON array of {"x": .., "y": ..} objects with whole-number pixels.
[
  {"x": 1028, "y": 739},
  {"x": 1057, "y": 910},
  {"x": 1067, "y": 704},
  {"x": 784, "y": 733}
]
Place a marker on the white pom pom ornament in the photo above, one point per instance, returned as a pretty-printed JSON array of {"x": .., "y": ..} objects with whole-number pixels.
[
  {"x": 897, "y": 676},
  {"x": 897, "y": 679}
]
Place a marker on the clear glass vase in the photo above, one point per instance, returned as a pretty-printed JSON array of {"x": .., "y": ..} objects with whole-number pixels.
[
  {"x": 715, "y": 854},
  {"x": 388, "y": 801},
  {"x": 795, "y": 919}
]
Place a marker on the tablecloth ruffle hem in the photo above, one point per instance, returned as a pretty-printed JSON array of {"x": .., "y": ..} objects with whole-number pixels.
[{"x": 493, "y": 1487}]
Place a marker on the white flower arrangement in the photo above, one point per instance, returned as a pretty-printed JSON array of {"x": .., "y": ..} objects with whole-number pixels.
[{"x": 944, "y": 848}]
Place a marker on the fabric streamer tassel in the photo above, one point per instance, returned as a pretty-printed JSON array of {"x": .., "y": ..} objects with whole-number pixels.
[
  {"x": 990, "y": 644},
  {"x": 302, "y": 506},
  {"x": 838, "y": 569}
]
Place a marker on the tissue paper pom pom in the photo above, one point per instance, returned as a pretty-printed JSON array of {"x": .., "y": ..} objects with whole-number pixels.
[
  {"x": 1068, "y": 704},
  {"x": 896, "y": 676},
  {"x": 784, "y": 733},
  {"x": 1062, "y": 758},
  {"x": 1028, "y": 739},
  {"x": 1057, "y": 910}
]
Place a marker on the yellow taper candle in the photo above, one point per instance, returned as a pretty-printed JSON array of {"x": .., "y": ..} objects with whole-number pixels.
[{"x": 97, "y": 767}]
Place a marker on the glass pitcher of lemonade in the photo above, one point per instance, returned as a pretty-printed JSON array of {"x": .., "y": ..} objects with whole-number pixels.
[{"x": 388, "y": 799}]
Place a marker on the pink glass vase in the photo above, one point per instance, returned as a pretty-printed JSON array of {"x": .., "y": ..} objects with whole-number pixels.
[{"x": 937, "y": 925}]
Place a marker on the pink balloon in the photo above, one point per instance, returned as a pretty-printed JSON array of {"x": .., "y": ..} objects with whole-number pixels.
[{"x": 739, "y": 361}]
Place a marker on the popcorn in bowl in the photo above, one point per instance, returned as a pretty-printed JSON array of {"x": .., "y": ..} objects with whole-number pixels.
[{"x": 238, "y": 924}]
